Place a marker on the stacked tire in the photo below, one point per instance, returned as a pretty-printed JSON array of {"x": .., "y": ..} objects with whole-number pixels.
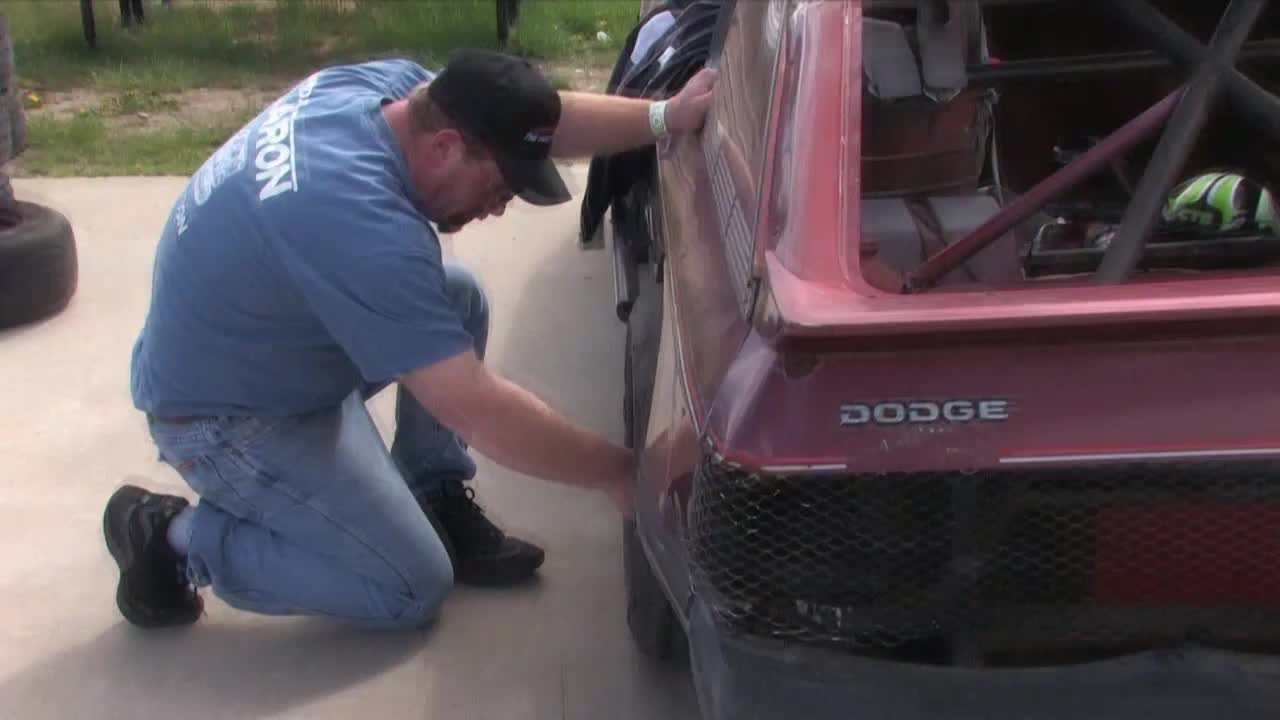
[{"x": 38, "y": 264}]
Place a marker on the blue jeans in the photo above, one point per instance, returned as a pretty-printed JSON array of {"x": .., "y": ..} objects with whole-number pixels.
[{"x": 313, "y": 514}]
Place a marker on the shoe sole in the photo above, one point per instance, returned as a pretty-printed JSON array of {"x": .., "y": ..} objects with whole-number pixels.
[
  {"x": 511, "y": 573},
  {"x": 117, "y": 536},
  {"x": 116, "y": 528}
]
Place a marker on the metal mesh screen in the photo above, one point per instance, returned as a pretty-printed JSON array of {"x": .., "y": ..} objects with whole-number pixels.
[{"x": 1079, "y": 560}]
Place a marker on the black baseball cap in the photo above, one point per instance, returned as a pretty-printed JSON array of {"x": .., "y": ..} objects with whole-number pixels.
[{"x": 509, "y": 106}]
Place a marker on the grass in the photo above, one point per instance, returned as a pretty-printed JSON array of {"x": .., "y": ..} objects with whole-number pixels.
[
  {"x": 86, "y": 145},
  {"x": 204, "y": 43},
  {"x": 243, "y": 44},
  {"x": 132, "y": 102}
]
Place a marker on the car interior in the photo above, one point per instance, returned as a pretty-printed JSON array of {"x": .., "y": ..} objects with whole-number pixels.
[{"x": 967, "y": 106}]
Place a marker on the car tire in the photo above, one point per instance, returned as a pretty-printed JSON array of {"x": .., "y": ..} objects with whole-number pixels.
[
  {"x": 644, "y": 331},
  {"x": 655, "y": 629},
  {"x": 38, "y": 266},
  {"x": 644, "y": 323},
  {"x": 628, "y": 397}
]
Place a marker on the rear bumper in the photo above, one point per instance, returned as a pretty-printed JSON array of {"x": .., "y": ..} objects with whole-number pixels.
[{"x": 762, "y": 680}]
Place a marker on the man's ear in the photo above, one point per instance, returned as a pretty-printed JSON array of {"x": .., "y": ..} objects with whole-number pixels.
[{"x": 446, "y": 146}]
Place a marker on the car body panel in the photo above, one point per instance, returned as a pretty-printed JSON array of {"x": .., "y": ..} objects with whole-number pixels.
[
  {"x": 788, "y": 355},
  {"x": 705, "y": 192},
  {"x": 815, "y": 271},
  {"x": 737, "y": 371},
  {"x": 916, "y": 410}
]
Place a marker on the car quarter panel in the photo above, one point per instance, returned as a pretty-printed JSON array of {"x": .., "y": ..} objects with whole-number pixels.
[
  {"x": 708, "y": 201},
  {"x": 958, "y": 406},
  {"x": 710, "y": 198}
]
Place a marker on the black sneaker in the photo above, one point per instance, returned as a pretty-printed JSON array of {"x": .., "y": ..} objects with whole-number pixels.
[
  {"x": 153, "y": 590},
  {"x": 482, "y": 554}
]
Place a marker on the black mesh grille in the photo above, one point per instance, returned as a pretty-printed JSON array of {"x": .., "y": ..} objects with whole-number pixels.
[{"x": 1029, "y": 563}]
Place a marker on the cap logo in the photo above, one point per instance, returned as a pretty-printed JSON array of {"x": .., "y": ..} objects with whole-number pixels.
[{"x": 540, "y": 135}]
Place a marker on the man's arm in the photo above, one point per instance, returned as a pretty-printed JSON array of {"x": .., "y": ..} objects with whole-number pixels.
[
  {"x": 599, "y": 124},
  {"x": 512, "y": 427}
]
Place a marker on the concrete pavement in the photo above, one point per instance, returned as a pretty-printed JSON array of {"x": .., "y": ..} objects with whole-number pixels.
[{"x": 69, "y": 435}]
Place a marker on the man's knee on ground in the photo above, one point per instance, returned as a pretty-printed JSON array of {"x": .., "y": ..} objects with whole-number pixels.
[{"x": 418, "y": 601}]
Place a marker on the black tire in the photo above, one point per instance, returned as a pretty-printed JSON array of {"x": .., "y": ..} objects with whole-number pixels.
[
  {"x": 652, "y": 621},
  {"x": 88, "y": 24},
  {"x": 628, "y": 398},
  {"x": 38, "y": 266},
  {"x": 654, "y": 627},
  {"x": 508, "y": 14},
  {"x": 644, "y": 318},
  {"x": 644, "y": 332}
]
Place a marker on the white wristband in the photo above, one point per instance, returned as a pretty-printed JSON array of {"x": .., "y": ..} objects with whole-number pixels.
[{"x": 658, "y": 118}]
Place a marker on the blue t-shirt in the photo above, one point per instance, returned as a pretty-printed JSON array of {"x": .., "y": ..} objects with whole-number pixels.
[{"x": 296, "y": 265}]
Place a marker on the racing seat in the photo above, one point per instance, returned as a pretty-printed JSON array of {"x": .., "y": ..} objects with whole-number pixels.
[
  {"x": 924, "y": 130},
  {"x": 925, "y": 136}
]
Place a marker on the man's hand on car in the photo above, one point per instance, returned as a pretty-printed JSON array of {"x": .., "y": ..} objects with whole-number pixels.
[
  {"x": 600, "y": 124},
  {"x": 687, "y": 110}
]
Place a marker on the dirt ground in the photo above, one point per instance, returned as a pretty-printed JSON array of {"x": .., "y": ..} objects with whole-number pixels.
[
  {"x": 184, "y": 108},
  {"x": 198, "y": 106},
  {"x": 589, "y": 78}
]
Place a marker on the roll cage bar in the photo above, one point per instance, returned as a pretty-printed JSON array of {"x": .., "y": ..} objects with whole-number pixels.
[{"x": 1182, "y": 114}]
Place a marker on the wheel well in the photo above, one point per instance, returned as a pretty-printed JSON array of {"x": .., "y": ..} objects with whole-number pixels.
[{"x": 633, "y": 227}]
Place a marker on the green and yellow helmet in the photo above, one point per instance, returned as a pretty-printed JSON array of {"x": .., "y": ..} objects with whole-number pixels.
[{"x": 1222, "y": 202}]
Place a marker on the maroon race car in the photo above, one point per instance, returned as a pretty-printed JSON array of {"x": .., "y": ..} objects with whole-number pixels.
[{"x": 952, "y": 358}]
